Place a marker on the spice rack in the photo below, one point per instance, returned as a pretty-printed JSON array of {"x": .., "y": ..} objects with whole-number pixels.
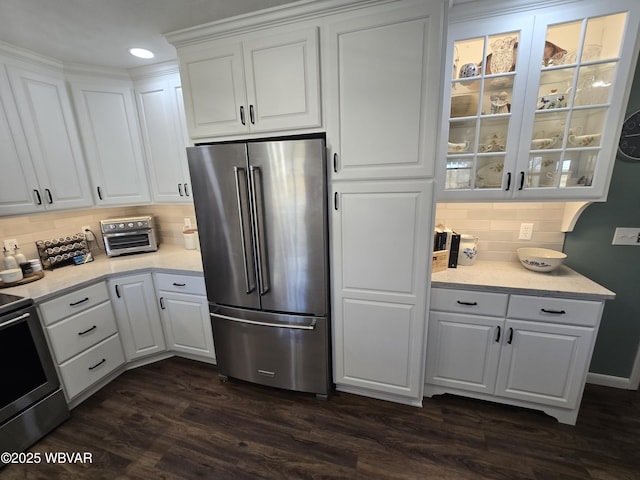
[{"x": 61, "y": 251}]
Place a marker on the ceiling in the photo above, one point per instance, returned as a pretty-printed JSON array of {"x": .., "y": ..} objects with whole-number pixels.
[{"x": 100, "y": 32}]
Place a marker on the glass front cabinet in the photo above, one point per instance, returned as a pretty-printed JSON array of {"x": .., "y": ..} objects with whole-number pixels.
[{"x": 535, "y": 102}]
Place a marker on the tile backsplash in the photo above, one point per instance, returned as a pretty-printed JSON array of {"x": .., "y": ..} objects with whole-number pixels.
[
  {"x": 27, "y": 229},
  {"x": 497, "y": 225}
]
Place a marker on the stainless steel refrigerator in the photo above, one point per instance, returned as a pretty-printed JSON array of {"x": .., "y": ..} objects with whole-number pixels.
[{"x": 261, "y": 211}]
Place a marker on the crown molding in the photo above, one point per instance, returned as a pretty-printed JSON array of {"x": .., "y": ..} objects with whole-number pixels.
[
  {"x": 154, "y": 70},
  {"x": 270, "y": 17}
]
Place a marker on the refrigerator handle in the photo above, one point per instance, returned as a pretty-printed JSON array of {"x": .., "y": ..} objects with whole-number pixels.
[
  {"x": 248, "y": 287},
  {"x": 257, "y": 218},
  {"x": 310, "y": 326}
]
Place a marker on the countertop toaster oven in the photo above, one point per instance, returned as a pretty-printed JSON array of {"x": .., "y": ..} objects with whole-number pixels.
[{"x": 128, "y": 235}]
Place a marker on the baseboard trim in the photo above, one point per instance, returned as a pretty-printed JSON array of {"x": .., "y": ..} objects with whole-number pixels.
[{"x": 609, "y": 381}]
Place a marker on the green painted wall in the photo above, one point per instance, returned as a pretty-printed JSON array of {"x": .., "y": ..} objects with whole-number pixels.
[{"x": 589, "y": 251}]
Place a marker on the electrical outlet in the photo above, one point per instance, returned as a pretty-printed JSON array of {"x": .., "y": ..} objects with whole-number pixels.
[
  {"x": 10, "y": 244},
  {"x": 86, "y": 229},
  {"x": 526, "y": 231},
  {"x": 623, "y": 236}
]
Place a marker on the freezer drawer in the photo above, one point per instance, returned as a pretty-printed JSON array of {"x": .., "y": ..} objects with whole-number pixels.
[{"x": 284, "y": 351}]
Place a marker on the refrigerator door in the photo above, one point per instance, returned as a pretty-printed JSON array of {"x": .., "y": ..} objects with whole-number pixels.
[
  {"x": 219, "y": 180},
  {"x": 279, "y": 350},
  {"x": 288, "y": 198}
]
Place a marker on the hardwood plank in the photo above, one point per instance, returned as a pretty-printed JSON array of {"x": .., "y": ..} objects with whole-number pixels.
[{"x": 175, "y": 420}]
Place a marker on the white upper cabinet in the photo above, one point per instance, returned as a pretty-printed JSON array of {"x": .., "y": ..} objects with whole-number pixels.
[
  {"x": 165, "y": 137},
  {"x": 49, "y": 127},
  {"x": 382, "y": 87},
  {"x": 260, "y": 83},
  {"x": 18, "y": 182},
  {"x": 534, "y": 109},
  {"x": 109, "y": 127}
]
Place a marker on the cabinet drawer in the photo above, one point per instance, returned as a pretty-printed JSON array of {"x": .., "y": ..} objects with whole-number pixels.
[
  {"x": 82, "y": 371},
  {"x": 193, "y": 284},
  {"x": 73, "y": 302},
  {"x": 467, "y": 301},
  {"x": 560, "y": 310},
  {"x": 81, "y": 331}
]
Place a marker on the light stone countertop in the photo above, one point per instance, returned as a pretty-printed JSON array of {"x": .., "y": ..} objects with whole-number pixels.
[
  {"x": 169, "y": 258},
  {"x": 512, "y": 277},
  {"x": 507, "y": 277}
]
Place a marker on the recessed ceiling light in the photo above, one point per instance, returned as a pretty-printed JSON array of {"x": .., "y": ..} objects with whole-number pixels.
[{"x": 141, "y": 53}]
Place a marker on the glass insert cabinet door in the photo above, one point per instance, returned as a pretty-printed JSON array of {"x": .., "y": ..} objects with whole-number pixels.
[
  {"x": 485, "y": 103},
  {"x": 535, "y": 100},
  {"x": 577, "y": 72}
]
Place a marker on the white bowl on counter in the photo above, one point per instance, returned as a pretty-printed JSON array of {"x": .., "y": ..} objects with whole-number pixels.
[
  {"x": 11, "y": 275},
  {"x": 540, "y": 259}
]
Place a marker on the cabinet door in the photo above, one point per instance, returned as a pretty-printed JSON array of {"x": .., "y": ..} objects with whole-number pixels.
[
  {"x": 49, "y": 126},
  {"x": 137, "y": 313},
  {"x": 483, "y": 105},
  {"x": 544, "y": 363},
  {"x": 283, "y": 84},
  {"x": 580, "y": 72},
  {"x": 19, "y": 189},
  {"x": 110, "y": 133},
  {"x": 214, "y": 89},
  {"x": 380, "y": 243},
  {"x": 164, "y": 132},
  {"x": 383, "y": 83},
  {"x": 187, "y": 323},
  {"x": 463, "y": 351}
]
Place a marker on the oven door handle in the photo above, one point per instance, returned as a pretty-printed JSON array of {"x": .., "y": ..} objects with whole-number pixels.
[{"x": 15, "y": 320}]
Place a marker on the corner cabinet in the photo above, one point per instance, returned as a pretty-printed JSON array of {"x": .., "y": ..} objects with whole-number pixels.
[
  {"x": 263, "y": 82},
  {"x": 534, "y": 111},
  {"x": 165, "y": 137},
  {"x": 54, "y": 173},
  {"x": 537, "y": 357},
  {"x": 109, "y": 128},
  {"x": 139, "y": 324}
]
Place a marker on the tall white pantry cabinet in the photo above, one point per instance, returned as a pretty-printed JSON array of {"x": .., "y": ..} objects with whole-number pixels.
[
  {"x": 381, "y": 86},
  {"x": 381, "y": 80}
]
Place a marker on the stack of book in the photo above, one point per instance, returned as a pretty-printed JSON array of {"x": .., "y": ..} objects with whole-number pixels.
[{"x": 446, "y": 240}]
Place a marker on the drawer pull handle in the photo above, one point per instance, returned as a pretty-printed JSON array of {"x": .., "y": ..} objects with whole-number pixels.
[
  {"x": 470, "y": 304},
  {"x": 85, "y": 299},
  {"x": 555, "y": 312},
  {"x": 98, "y": 364},
  {"x": 162, "y": 303},
  {"x": 117, "y": 291},
  {"x": 510, "y": 336},
  {"x": 179, "y": 284},
  {"x": 498, "y": 335},
  {"x": 87, "y": 331}
]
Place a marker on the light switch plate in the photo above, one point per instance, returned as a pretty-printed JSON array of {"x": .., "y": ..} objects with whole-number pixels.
[{"x": 626, "y": 236}]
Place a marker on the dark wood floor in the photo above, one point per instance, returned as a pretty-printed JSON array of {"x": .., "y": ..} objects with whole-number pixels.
[{"x": 175, "y": 420}]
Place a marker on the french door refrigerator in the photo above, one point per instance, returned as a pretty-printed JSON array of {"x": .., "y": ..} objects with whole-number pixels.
[{"x": 261, "y": 211}]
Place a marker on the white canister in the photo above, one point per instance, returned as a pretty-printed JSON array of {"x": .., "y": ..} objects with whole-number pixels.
[
  {"x": 468, "y": 249},
  {"x": 189, "y": 239}
]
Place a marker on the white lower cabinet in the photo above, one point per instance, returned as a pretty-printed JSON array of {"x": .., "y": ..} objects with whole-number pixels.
[
  {"x": 137, "y": 314},
  {"x": 536, "y": 357},
  {"x": 380, "y": 234},
  {"x": 83, "y": 337},
  {"x": 185, "y": 314},
  {"x": 79, "y": 373}
]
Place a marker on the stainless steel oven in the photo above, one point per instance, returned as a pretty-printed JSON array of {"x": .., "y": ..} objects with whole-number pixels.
[
  {"x": 31, "y": 400},
  {"x": 128, "y": 235}
]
